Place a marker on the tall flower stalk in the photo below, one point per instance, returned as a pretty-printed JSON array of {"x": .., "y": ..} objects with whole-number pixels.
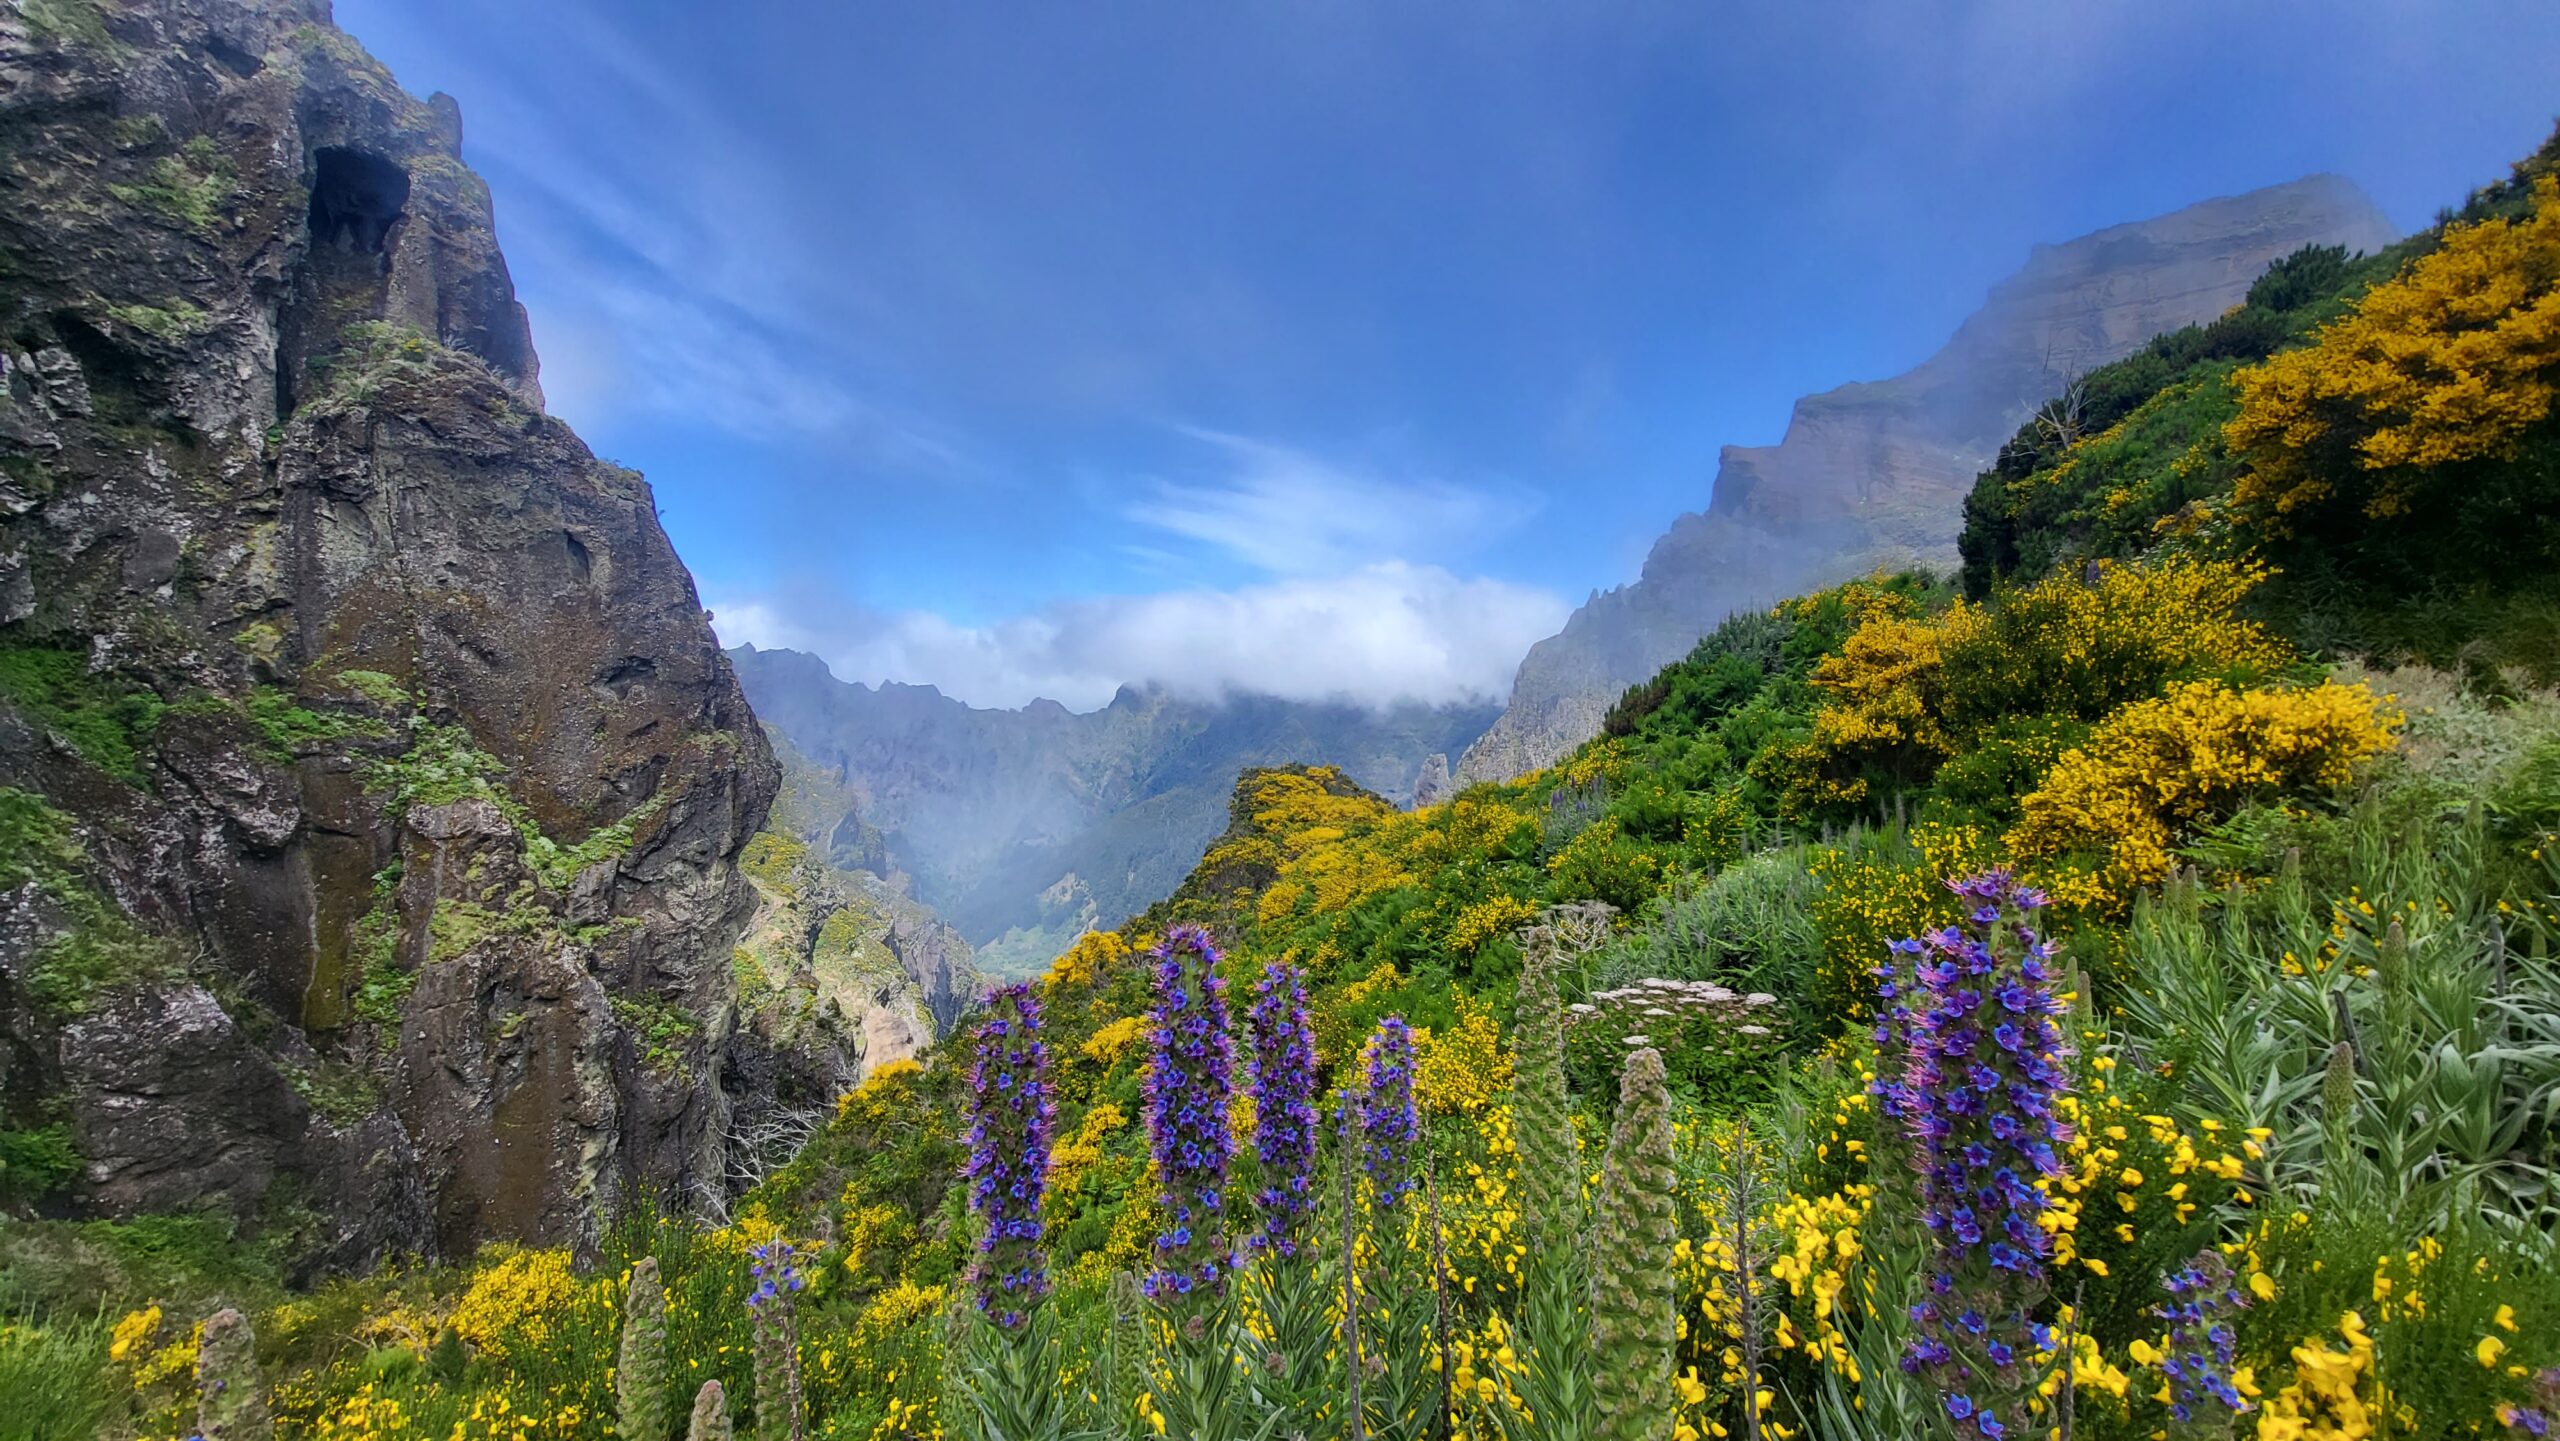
[
  {"x": 710, "y": 1419},
  {"x": 1284, "y": 1112},
  {"x": 1006, "y": 1365},
  {"x": 1983, "y": 1064},
  {"x": 1403, "y": 1387},
  {"x": 1388, "y": 1126},
  {"x": 231, "y": 1405},
  {"x": 774, "y": 1303},
  {"x": 1634, "y": 1321},
  {"x": 640, "y": 1375},
  {"x": 1550, "y": 1154},
  {"x": 1010, "y": 1119},
  {"x": 1294, "y": 1372},
  {"x": 1190, "y": 1084},
  {"x": 1549, "y": 1335}
]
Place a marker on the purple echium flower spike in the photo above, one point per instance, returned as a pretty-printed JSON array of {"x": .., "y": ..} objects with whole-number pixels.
[
  {"x": 1284, "y": 1113},
  {"x": 1010, "y": 1118},
  {"x": 1387, "y": 1125},
  {"x": 1968, "y": 1019},
  {"x": 773, "y": 1272},
  {"x": 1189, "y": 1084},
  {"x": 2201, "y": 1341}
]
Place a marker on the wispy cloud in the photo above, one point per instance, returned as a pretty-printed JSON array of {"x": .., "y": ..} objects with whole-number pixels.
[
  {"x": 1375, "y": 636},
  {"x": 1287, "y": 512}
]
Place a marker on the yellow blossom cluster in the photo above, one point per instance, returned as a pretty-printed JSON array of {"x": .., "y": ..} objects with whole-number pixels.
[
  {"x": 514, "y": 1296},
  {"x": 1905, "y": 691},
  {"x": 884, "y": 1080},
  {"x": 1087, "y": 961},
  {"x": 2158, "y": 767},
  {"x": 1489, "y": 919},
  {"x": 2450, "y": 361},
  {"x": 1465, "y": 1068},
  {"x": 2333, "y": 1396},
  {"x": 1867, "y": 902},
  {"x": 2138, "y": 1186}
]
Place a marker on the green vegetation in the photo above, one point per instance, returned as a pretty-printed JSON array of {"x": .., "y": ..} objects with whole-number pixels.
[
  {"x": 2297, "y": 1032},
  {"x": 340, "y": 1092},
  {"x": 187, "y": 189},
  {"x": 290, "y": 728},
  {"x": 172, "y": 322},
  {"x": 2401, "y": 501},
  {"x": 374, "y": 686},
  {"x": 99, "y": 948},
  {"x": 660, "y": 1028},
  {"x": 38, "y": 1162},
  {"x": 382, "y": 983},
  {"x": 68, "y": 22},
  {"x": 107, "y": 722},
  {"x": 444, "y": 764}
]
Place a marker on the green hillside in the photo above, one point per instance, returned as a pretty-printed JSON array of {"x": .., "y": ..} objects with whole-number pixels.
[{"x": 2246, "y": 682}]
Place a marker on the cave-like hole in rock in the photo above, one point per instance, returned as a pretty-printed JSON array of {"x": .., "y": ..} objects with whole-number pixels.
[{"x": 355, "y": 200}]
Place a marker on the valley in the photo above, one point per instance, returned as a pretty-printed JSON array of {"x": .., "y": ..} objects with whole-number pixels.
[{"x": 2036, "y": 913}]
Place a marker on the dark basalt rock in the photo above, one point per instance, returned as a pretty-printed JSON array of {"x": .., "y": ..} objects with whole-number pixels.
[{"x": 376, "y": 785}]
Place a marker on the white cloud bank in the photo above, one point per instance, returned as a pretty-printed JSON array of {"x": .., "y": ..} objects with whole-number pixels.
[{"x": 1383, "y": 633}]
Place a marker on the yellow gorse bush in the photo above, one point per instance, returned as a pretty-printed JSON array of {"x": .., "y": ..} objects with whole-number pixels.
[
  {"x": 2160, "y": 766},
  {"x": 1465, "y": 1068},
  {"x": 1906, "y": 692},
  {"x": 2332, "y": 1397},
  {"x": 512, "y": 1300},
  {"x": 2451, "y": 361}
]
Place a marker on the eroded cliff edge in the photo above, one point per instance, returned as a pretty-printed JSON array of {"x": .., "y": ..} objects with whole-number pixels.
[{"x": 371, "y": 785}]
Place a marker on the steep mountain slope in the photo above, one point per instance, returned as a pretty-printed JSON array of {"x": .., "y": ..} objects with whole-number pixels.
[
  {"x": 1026, "y": 827},
  {"x": 373, "y": 783},
  {"x": 915, "y": 971},
  {"x": 1875, "y": 474}
]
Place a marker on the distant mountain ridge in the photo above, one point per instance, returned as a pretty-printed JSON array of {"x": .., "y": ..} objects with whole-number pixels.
[
  {"x": 1024, "y": 827},
  {"x": 1875, "y": 473}
]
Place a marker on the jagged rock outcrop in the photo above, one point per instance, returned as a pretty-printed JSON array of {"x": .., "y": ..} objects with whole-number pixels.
[
  {"x": 1433, "y": 786},
  {"x": 1026, "y": 827},
  {"x": 879, "y": 966},
  {"x": 1875, "y": 473},
  {"x": 371, "y": 785},
  {"x": 838, "y": 975}
]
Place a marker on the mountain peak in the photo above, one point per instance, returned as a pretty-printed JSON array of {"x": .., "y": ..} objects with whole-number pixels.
[{"x": 1874, "y": 472}]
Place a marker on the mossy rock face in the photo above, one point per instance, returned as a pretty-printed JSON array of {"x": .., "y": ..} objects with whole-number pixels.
[{"x": 372, "y": 735}]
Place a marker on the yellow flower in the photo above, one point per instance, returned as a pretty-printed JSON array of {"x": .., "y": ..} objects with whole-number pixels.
[
  {"x": 2489, "y": 1350},
  {"x": 2262, "y": 1285}
]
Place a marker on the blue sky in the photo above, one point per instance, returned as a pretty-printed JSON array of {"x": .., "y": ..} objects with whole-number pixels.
[{"x": 1324, "y": 347}]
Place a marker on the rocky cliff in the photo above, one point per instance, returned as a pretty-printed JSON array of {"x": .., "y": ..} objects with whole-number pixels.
[
  {"x": 371, "y": 786},
  {"x": 1026, "y": 827},
  {"x": 1875, "y": 473},
  {"x": 898, "y": 974}
]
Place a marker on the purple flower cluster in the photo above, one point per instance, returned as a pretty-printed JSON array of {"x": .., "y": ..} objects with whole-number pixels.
[
  {"x": 2198, "y": 1363},
  {"x": 1971, "y": 1011},
  {"x": 1010, "y": 1116},
  {"x": 1387, "y": 1125},
  {"x": 2534, "y": 1420},
  {"x": 1284, "y": 1113},
  {"x": 1188, "y": 1088},
  {"x": 775, "y": 1276}
]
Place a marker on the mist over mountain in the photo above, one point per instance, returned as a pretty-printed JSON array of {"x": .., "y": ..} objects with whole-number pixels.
[
  {"x": 1023, "y": 828},
  {"x": 1874, "y": 473}
]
